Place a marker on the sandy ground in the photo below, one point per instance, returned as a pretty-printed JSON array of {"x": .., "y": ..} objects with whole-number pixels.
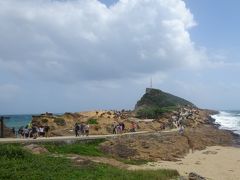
[{"x": 217, "y": 163}]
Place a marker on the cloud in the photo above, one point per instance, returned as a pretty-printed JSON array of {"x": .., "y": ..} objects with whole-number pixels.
[
  {"x": 69, "y": 41},
  {"x": 8, "y": 92}
]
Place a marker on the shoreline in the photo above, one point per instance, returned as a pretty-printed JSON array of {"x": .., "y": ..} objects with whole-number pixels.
[{"x": 236, "y": 137}]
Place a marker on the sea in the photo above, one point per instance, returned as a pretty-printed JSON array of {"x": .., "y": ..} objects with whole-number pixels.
[
  {"x": 17, "y": 121},
  {"x": 229, "y": 120}
]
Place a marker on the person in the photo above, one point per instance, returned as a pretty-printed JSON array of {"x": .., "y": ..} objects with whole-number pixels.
[
  {"x": 122, "y": 126},
  {"x": 86, "y": 129},
  {"x": 20, "y": 132},
  {"x": 25, "y": 132},
  {"x": 41, "y": 131},
  {"x": 114, "y": 127},
  {"x": 30, "y": 132},
  {"x": 76, "y": 128},
  {"x": 82, "y": 129},
  {"x": 46, "y": 129},
  {"x": 181, "y": 130},
  {"x": 34, "y": 131},
  {"x": 133, "y": 127},
  {"x": 118, "y": 129}
]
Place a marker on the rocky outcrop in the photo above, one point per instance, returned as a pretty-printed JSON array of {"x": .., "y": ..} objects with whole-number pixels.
[
  {"x": 195, "y": 176},
  {"x": 101, "y": 121},
  {"x": 35, "y": 149},
  {"x": 160, "y": 99},
  {"x": 166, "y": 146}
]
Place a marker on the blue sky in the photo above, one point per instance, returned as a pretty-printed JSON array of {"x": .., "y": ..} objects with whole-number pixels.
[
  {"x": 217, "y": 23},
  {"x": 60, "y": 56}
]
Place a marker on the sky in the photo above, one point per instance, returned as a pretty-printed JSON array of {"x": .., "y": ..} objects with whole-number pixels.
[{"x": 77, "y": 55}]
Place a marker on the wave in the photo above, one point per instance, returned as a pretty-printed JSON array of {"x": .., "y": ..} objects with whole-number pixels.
[{"x": 229, "y": 120}]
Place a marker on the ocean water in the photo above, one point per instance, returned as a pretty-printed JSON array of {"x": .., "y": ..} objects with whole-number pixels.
[
  {"x": 229, "y": 120},
  {"x": 17, "y": 121}
]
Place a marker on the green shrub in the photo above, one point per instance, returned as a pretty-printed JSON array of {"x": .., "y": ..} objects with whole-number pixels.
[
  {"x": 60, "y": 121},
  {"x": 153, "y": 112},
  {"x": 92, "y": 121}
]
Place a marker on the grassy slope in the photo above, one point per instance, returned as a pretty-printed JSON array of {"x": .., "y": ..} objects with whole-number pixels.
[
  {"x": 160, "y": 99},
  {"x": 88, "y": 149},
  {"x": 16, "y": 163}
]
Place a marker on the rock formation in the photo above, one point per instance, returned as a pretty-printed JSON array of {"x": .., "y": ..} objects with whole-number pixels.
[{"x": 160, "y": 99}]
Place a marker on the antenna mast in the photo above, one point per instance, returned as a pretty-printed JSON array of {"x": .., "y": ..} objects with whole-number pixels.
[{"x": 151, "y": 83}]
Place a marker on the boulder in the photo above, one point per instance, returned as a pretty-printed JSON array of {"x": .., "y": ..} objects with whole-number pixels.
[
  {"x": 195, "y": 176},
  {"x": 35, "y": 149}
]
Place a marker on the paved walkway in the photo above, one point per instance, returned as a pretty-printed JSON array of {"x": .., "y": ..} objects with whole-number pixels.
[
  {"x": 64, "y": 138},
  {"x": 73, "y": 138}
]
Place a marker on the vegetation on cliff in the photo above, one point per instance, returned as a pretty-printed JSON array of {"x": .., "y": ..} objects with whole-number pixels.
[
  {"x": 158, "y": 98},
  {"x": 153, "y": 112},
  {"x": 156, "y": 102}
]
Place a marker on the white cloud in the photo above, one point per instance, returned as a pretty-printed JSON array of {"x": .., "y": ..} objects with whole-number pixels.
[{"x": 85, "y": 40}]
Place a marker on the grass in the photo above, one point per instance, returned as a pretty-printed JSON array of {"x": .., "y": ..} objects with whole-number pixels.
[
  {"x": 87, "y": 149},
  {"x": 20, "y": 164}
]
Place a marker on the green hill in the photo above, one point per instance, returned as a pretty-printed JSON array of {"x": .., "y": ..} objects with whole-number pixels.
[{"x": 155, "y": 102}]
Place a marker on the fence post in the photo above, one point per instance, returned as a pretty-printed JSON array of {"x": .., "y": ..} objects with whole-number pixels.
[{"x": 1, "y": 122}]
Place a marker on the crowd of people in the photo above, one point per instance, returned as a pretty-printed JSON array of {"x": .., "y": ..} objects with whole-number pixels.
[
  {"x": 32, "y": 131},
  {"x": 181, "y": 116},
  {"x": 81, "y": 129},
  {"x": 118, "y": 128}
]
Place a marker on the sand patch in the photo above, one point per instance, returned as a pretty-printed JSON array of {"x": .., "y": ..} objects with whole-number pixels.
[{"x": 217, "y": 163}]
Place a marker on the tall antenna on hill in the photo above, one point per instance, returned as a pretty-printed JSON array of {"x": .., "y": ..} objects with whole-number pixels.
[{"x": 151, "y": 83}]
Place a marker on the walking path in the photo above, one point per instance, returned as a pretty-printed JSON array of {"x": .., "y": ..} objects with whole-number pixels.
[
  {"x": 65, "y": 138},
  {"x": 72, "y": 138}
]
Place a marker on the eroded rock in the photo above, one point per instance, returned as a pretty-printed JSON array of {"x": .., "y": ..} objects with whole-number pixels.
[
  {"x": 195, "y": 176},
  {"x": 35, "y": 149}
]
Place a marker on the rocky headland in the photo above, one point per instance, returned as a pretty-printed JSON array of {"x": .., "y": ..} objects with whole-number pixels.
[{"x": 159, "y": 113}]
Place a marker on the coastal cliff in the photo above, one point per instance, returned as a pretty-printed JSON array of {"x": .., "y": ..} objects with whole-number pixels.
[{"x": 160, "y": 99}]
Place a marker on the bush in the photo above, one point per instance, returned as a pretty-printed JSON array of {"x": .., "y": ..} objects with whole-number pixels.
[
  {"x": 92, "y": 121},
  {"x": 153, "y": 112},
  {"x": 60, "y": 121}
]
